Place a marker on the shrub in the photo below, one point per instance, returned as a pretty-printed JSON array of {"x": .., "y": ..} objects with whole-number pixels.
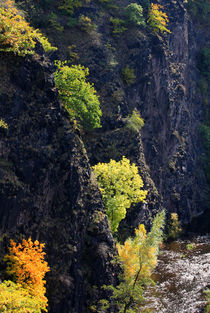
[
  {"x": 78, "y": 96},
  {"x": 53, "y": 20},
  {"x": 85, "y": 23},
  {"x": 3, "y": 124},
  {"x": 128, "y": 75},
  {"x": 14, "y": 298},
  {"x": 134, "y": 13},
  {"x": 207, "y": 293},
  {"x": 68, "y": 6},
  {"x": 15, "y": 33},
  {"x": 174, "y": 227},
  {"x": 157, "y": 19},
  {"x": 134, "y": 122},
  {"x": 118, "y": 26},
  {"x": 120, "y": 185}
]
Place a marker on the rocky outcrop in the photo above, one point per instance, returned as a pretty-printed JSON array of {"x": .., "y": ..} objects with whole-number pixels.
[{"x": 46, "y": 187}]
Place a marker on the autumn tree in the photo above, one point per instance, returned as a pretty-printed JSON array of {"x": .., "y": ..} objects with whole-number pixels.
[
  {"x": 121, "y": 185},
  {"x": 16, "y": 35},
  {"x": 139, "y": 257},
  {"x": 26, "y": 264},
  {"x": 157, "y": 19},
  {"x": 78, "y": 96}
]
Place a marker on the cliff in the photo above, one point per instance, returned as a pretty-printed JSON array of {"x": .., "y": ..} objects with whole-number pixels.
[
  {"x": 47, "y": 190},
  {"x": 46, "y": 187}
]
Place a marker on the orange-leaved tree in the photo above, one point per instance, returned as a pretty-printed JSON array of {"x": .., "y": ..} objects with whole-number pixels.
[
  {"x": 27, "y": 265},
  {"x": 157, "y": 19}
]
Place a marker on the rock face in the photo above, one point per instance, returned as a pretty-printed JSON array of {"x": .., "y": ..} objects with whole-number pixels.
[
  {"x": 168, "y": 151},
  {"x": 46, "y": 187},
  {"x": 165, "y": 92}
]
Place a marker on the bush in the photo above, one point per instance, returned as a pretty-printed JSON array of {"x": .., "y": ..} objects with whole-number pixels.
[
  {"x": 174, "y": 227},
  {"x": 85, "y": 24},
  {"x": 53, "y": 20},
  {"x": 78, "y": 96},
  {"x": 157, "y": 19},
  {"x": 134, "y": 13},
  {"x": 120, "y": 185},
  {"x": 118, "y": 26},
  {"x": 14, "y": 298},
  {"x": 134, "y": 122},
  {"x": 128, "y": 75},
  {"x": 3, "y": 124}
]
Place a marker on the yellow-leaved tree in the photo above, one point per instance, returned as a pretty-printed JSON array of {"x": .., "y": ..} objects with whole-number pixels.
[
  {"x": 139, "y": 257},
  {"x": 26, "y": 264},
  {"x": 120, "y": 185},
  {"x": 157, "y": 19}
]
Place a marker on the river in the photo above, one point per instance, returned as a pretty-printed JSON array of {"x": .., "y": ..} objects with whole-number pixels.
[{"x": 181, "y": 276}]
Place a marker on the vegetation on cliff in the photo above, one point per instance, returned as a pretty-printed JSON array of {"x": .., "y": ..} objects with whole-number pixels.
[
  {"x": 27, "y": 267},
  {"x": 16, "y": 35},
  {"x": 78, "y": 96},
  {"x": 120, "y": 185}
]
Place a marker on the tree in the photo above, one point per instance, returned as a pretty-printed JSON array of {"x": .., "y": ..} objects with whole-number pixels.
[
  {"x": 78, "y": 96},
  {"x": 27, "y": 265},
  {"x": 134, "y": 12},
  {"x": 16, "y": 299},
  {"x": 120, "y": 185},
  {"x": 16, "y": 35},
  {"x": 139, "y": 257},
  {"x": 174, "y": 227},
  {"x": 157, "y": 19}
]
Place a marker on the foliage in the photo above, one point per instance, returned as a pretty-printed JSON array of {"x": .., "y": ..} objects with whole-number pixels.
[
  {"x": 139, "y": 257},
  {"x": 118, "y": 26},
  {"x": 14, "y": 298},
  {"x": 134, "y": 121},
  {"x": 207, "y": 293},
  {"x": 68, "y": 6},
  {"x": 134, "y": 13},
  {"x": 200, "y": 10},
  {"x": 53, "y": 20},
  {"x": 128, "y": 75},
  {"x": 174, "y": 227},
  {"x": 15, "y": 33},
  {"x": 78, "y": 96},
  {"x": 27, "y": 265},
  {"x": 157, "y": 19},
  {"x": 190, "y": 246},
  {"x": 120, "y": 185},
  {"x": 85, "y": 23},
  {"x": 204, "y": 62},
  {"x": 3, "y": 124}
]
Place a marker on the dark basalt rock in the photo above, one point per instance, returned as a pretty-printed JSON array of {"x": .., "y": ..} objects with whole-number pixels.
[{"x": 47, "y": 190}]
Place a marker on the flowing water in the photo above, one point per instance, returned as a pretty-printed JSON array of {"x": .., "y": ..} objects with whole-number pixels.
[{"x": 181, "y": 276}]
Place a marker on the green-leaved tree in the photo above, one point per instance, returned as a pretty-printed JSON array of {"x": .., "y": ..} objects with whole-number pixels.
[{"x": 78, "y": 96}]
